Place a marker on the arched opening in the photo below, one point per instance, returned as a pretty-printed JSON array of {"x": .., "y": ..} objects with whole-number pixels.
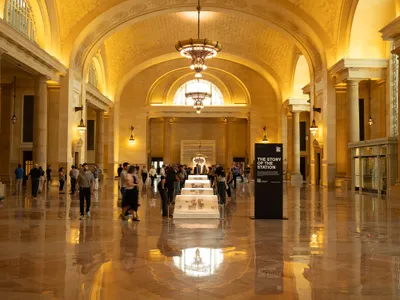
[
  {"x": 370, "y": 17},
  {"x": 198, "y": 85},
  {"x": 301, "y": 77}
]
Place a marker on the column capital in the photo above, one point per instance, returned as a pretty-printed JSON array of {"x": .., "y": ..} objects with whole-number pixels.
[
  {"x": 297, "y": 105},
  {"x": 358, "y": 69},
  {"x": 391, "y": 32}
]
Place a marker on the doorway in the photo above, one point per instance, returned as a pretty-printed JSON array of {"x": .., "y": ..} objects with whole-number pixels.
[
  {"x": 27, "y": 159},
  {"x": 303, "y": 167},
  {"x": 76, "y": 159},
  {"x": 158, "y": 163},
  {"x": 318, "y": 170}
]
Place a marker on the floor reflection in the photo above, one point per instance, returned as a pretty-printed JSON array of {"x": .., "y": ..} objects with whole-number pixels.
[{"x": 335, "y": 245}]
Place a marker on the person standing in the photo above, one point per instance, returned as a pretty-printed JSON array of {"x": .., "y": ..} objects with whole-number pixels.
[
  {"x": 34, "y": 175},
  {"x": 120, "y": 168},
  {"x": 122, "y": 181},
  {"x": 235, "y": 172},
  {"x": 170, "y": 183},
  {"x": 152, "y": 174},
  {"x": 86, "y": 185},
  {"x": 221, "y": 185},
  {"x": 19, "y": 174},
  {"x": 61, "y": 179},
  {"x": 96, "y": 177},
  {"x": 162, "y": 190},
  {"x": 49, "y": 177},
  {"x": 41, "y": 180},
  {"x": 74, "y": 173},
  {"x": 144, "y": 175}
]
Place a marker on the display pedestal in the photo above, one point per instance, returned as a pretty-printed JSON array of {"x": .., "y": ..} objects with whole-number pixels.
[
  {"x": 197, "y": 200},
  {"x": 200, "y": 191},
  {"x": 196, "y": 207},
  {"x": 198, "y": 177}
]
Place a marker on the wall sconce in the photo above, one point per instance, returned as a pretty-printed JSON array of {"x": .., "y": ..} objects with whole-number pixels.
[
  {"x": 131, "y": 138},
  {"x": 265, "y": 139},
  {"x": 14, "y": 117},
  {"x": 81, "y": 126}
]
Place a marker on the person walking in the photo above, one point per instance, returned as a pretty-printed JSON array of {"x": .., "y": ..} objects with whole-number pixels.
[
  {"x": 19, "y": 174},
  {"x": 49, "y": 177},
  {"x": 122, "y": 181},
  {"x": 61, "y": 179},
  {"x": 74, "y": 173},
  {"x": 170, "y": 183},
  {"x": 235, "y": 172},
  {"x": 86, "y": 185},
  {"x": 131, "y": 194},
  {"x": 34, "y": 175},
  {"x": 144, "y": 175},
  {"x": 153, "y": 175},
  {"x": 96, "y": 177}
]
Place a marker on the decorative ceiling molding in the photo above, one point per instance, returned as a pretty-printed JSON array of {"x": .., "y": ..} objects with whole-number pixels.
[
  {"x": 24, "y": 52},
  {"x": 96, "y": 99},
  {"x": 176, "y": 111}
]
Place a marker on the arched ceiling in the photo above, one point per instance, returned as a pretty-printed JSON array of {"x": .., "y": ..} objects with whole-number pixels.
[
  {"x": 157, "y": 36},
  {"x": 74, "y": 15}
]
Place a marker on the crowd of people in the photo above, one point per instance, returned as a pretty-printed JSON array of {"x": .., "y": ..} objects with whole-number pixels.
[{"x": 172, "y": 180}]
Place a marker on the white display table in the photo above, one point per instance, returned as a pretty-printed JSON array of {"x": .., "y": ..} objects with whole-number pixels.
[
  {"x": 197, "y": 184},
  {"x": 198, "y": 177},
  {"x": 200, "y": 191},
  {"x": 196, "y": 207}
]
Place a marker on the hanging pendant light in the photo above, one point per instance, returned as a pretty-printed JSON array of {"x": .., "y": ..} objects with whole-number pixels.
[
  {"x": 198, "y": 98},
  {"x": 14, "y": 117},
  {"x": 313, "y": 128},
  {"x": 198, "y": 50},
  {"x": 370, "y": 121},
  {"x": 81, "y": 127}
]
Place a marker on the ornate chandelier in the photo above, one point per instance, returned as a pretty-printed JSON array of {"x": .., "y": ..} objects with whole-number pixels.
[
  {"x": 198, "y": 99},
  {"x": 198, "y": 50}
]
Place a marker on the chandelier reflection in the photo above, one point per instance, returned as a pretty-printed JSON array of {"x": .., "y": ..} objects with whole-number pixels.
[
  {"x": 199, "y": 262},
  {"x": 199, "y": 158},
  {"x": 198, "y": 50}
]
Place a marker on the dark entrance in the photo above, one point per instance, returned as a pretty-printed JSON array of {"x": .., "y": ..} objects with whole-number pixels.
[{"x": 27, "y": 158}]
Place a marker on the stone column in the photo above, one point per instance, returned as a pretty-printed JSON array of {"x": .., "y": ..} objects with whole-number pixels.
[
  {"x": 296, "y": 175},
  {"x": 99, "y": 154},
  {"x": 341, "y": 135},
  {"x": 167, "y": 141},
  {"x": 398, "y": 122},
  {"x": 353, "y": 125},
  {"x": 229, "y": 142},
  {"x": 40, "y": 122}
]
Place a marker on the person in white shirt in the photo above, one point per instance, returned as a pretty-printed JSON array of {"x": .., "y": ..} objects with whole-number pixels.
[{"x": 152, "y": 174}]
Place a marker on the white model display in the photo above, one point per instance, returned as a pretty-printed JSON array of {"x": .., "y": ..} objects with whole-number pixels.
[
  {"x": 197, "y": 184},
  {"x": 200, "y": 191},
  {"x": 196, "y": 207},
  {"x": 198, "y": 177}
]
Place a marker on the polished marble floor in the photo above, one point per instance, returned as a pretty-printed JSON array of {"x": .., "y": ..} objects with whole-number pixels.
[{"x": 335, "y": 245}]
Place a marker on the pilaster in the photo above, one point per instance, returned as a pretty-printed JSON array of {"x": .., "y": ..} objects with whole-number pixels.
[{"x": 40, "y": 122}]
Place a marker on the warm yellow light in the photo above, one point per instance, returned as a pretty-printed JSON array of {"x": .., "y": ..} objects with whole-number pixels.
[
  {"x": 131, "y": 140},
  {"x": 81, "y": 127},
  {"x": 313, "y": 128}
]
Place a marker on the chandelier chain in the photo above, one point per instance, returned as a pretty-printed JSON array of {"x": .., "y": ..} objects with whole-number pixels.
[{"x": 198, "y": 19}]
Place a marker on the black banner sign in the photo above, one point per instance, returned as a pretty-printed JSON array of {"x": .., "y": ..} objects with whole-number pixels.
[{"x": 268, "y": 196}]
